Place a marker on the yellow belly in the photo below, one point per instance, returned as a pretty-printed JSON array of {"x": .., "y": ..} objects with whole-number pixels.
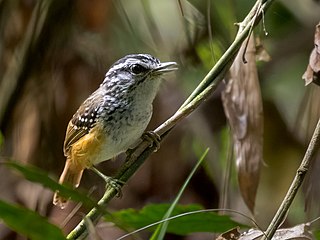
[
  {"x": 87, "y": 149},
  {"x": 97, "y": 146}
]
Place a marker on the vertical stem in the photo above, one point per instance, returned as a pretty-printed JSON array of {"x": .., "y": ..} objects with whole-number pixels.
[{"x": 295, "y": 185}]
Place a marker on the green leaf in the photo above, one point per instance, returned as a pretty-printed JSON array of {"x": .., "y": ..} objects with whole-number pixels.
[
  {"x": 161, "y": 229},
  {"x": 28, "y": 223},
  {"x": 35, "y": 174},
  {"x": 190, "y": 223},
  {"x": 316, "y": 234}
]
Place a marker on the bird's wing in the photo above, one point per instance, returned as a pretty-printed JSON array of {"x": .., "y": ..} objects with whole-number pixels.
[
  {"x": 72, "y": 136},
  {"x": 82, "y": 121}
]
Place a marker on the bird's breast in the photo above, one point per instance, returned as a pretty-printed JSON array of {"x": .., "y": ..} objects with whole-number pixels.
[{"x": 122, "y": 129}]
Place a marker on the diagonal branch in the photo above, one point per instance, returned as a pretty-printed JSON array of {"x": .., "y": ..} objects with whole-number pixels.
[{"x": 200, "y": 94}]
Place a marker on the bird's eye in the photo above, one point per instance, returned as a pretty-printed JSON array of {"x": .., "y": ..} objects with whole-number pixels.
[{"x": 137, "y": 69}]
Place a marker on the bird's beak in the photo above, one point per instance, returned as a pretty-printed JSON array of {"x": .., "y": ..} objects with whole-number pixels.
[{"x": 166, "y": 67}]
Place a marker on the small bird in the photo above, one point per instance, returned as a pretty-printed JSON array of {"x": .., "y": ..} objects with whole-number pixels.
[{"x": 113, "y": 117}]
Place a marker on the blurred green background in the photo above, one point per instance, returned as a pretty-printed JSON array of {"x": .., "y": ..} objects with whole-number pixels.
[{"x": 53, "y": 54}]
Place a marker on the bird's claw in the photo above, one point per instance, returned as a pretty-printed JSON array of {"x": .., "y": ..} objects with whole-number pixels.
[
  {"x": 153, "y": 138},
  {"x": 116, "y": 184}
]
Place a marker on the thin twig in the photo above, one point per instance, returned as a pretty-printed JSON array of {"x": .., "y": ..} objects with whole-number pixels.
[
  {"x": 295, "y": 185},
  {"x": 200, "y": 94}
]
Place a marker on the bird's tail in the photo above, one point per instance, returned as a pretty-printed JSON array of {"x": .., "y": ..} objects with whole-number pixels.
[{"x": 71, "y": 175}]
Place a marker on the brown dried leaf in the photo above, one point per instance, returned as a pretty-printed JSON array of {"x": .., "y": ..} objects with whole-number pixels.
[
  {"x": 301, "y": 232},
  {"x": 233, "y": 234},
  {"x": 261, "y": 52},
  {"x": 312, "y": 74},
  {"x": 243, "y": 107}
]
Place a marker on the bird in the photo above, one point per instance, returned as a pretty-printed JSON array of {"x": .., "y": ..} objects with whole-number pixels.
[{"x": 112, "y": 118}]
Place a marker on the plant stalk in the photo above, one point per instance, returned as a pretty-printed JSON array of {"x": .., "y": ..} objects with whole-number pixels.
[{"x": 278, "y": 218}]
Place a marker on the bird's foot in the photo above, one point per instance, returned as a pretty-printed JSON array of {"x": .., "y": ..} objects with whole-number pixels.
[
  {"x": 153, "y": 138},
  {"x": 129, "y": 151},
  {"x": 116, "y": 184}
]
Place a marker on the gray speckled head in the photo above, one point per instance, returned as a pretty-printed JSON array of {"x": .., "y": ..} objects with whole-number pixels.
[
  {"x": 134, "y": 69},
  {"x": 131, "y": 85}
]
